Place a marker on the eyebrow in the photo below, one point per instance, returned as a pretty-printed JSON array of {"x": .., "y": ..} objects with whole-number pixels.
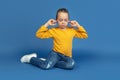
[{"x": 64, "y": 19}]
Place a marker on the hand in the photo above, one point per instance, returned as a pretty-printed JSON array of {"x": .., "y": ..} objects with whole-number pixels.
[
  {"x": 50, "y": 22},
  {"x": 74, "y": 23}
]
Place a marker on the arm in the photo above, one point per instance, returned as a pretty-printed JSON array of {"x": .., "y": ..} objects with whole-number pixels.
[
  {"x": 44, "y": 32},
  {"x": 80, "y": 32}
]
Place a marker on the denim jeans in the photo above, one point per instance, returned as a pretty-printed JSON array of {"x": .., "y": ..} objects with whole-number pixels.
[{"x": 54, "y": 59}]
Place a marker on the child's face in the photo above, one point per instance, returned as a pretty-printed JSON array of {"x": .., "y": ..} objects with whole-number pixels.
[{"x": 62, "y": 19}]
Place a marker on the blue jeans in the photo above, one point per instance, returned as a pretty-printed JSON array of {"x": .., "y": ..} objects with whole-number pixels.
[{"x": 54, "y": 59}]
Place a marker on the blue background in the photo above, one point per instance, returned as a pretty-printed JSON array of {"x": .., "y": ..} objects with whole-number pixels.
[{"x": 97, "y": 58}]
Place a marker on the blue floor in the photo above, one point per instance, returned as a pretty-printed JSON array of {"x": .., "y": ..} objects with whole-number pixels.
[{"x": 90, "y": 65}]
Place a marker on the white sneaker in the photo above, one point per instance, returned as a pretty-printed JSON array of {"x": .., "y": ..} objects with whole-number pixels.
[
  {"x": 42, "y": 59},
  {"x": 26, "y": 58}
]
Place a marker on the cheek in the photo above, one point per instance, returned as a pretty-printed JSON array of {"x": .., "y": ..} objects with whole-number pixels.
[
  {"x": 66, "y": 22},
  {"x": 59, "y": 22}
]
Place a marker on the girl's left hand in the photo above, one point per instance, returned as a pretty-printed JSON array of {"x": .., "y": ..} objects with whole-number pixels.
[{"x": 74, "y": 23}]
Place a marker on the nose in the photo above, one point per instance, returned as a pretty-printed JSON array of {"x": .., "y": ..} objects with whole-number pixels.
[{"x": 63, "y": 23}]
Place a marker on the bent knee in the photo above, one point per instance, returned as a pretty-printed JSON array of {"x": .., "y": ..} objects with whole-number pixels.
[
  {"x": 70, "y": 65},
  {"x": 48, "y": 66}
]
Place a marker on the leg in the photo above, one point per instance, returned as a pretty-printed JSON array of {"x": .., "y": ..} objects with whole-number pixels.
[
  {"x": 51, "y": 60},
  {"x": 66, "y": 63}
]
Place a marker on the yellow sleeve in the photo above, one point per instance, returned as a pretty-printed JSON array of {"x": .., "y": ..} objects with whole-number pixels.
[
  {"x": 44, "y": 32},
  {"x": 81, "y": 33}
]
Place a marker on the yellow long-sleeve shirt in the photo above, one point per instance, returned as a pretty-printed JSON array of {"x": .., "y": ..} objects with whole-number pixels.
[{"x": 62, "y": 39}]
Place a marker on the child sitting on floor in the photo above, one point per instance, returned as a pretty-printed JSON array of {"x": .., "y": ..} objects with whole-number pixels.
[{"x": 61, "y": 54}]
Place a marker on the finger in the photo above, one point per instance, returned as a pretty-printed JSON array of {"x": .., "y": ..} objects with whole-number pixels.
[
  {"x": 72, "y": 21},
  {"x": 75, "y": 22},
  {"x": 53, "y": 24},
  {"x": 53, "y": 21},
  {"x": 71, "y": 24}
]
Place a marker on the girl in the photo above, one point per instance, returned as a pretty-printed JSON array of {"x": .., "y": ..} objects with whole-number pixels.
[{"x": 61, "y": 54}]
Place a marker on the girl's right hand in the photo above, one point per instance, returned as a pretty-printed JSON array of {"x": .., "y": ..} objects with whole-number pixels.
[{"x": 50, "y": 22}]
